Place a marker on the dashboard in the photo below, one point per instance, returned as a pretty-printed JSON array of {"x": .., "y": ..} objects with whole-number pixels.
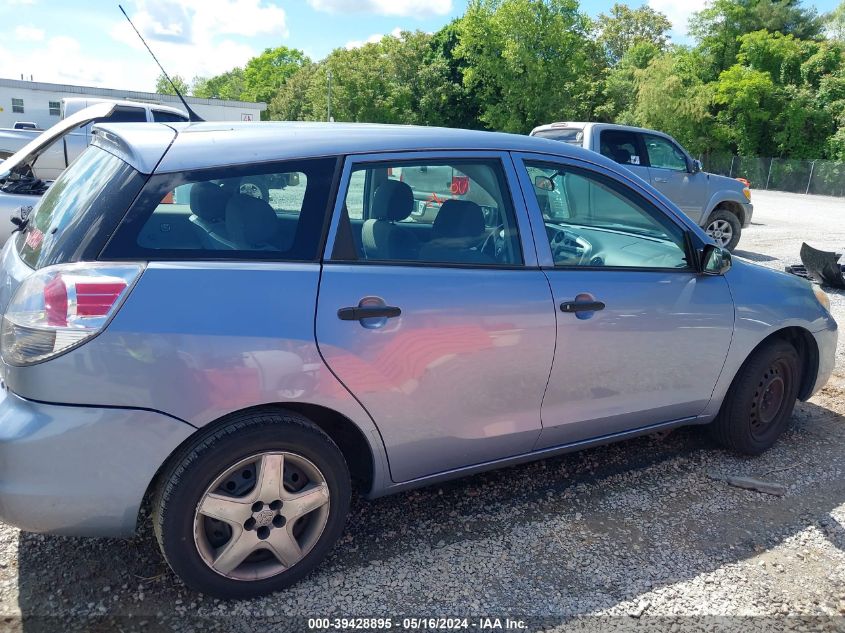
[{"x": 575, "y": 245}]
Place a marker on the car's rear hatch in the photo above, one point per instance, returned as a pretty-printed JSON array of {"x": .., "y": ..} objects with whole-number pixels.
[{"x": 76, "y": 217}]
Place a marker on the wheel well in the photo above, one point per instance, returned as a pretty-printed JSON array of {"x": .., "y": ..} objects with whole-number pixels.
[
  {"x": 732, "y": 207},
  {"x": 808, "y": 352},
  {"x": 343, "y": 432}
]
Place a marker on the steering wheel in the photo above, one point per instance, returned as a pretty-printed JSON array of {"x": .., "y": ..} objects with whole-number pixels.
[
  {"x": 563, "y": 248},
  {"x": 494, "y": 244}
]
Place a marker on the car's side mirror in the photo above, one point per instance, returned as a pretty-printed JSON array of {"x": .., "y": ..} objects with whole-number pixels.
[
  {"x": 544, "y": 183},
  {"x": 715, "y": 260},
  {"x": 696, "y": 166}
]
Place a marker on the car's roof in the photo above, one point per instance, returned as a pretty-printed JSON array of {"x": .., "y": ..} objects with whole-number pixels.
[{"x": 219, "y": 144}]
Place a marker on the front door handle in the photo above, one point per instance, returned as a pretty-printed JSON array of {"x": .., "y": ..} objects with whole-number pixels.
[
  {"x": 581, "y": 306},
  {"x": 661, "y": 180},
  {"x": 368, "y": 312}
]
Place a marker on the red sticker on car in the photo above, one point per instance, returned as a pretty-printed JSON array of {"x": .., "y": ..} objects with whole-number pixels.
[{"x": 34, "y": 239}]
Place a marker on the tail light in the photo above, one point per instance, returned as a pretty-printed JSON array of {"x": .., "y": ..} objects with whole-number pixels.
[
  {"x": 60, "y": 307},
  {"x": 459, "y": 186}
]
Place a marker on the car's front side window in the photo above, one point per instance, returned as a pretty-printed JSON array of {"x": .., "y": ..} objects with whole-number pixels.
[
  {"x": 603, "y": 225},
  {"x": 429, "y": 211},
  {"x": 664, "y": 154}
]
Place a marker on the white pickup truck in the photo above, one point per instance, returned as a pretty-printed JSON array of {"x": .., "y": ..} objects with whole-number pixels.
[{"x": 38, "y": 157}]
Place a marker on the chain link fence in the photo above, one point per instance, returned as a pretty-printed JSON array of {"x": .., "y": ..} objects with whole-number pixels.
[{"x": 819, "y": 177}]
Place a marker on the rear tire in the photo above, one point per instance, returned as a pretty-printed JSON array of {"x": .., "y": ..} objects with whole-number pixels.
[
  {"x": 224, "y": 496},
  {"x": 760, "y": 401},
  {"x": 724, "y": 227}
]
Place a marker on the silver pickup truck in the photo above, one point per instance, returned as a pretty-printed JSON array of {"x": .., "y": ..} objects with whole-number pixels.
[
  {"x": 38, "y": 157},
  {"x": 720, "y": 205}
]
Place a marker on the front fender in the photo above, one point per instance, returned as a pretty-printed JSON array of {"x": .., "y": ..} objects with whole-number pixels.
[
  {"x": 721, "y": 196},
  {"x": 765, "y": 302}
]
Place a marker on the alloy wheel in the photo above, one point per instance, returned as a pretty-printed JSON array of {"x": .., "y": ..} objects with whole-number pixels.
[
  {"x": 721, "y": 231},
  {"x": 261, "y": 516}
]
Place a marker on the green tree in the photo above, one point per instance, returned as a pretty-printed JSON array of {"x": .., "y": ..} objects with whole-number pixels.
[
  {"x": 619, "y": 89},
  {"x": 228, "y": 85},
  {"x": 719, "y": 26},
  {"x": 749, "y": 102},
  {"x": 294, "y": 101},
  {"x": 625, "y": 27},
  {"x": 529, "y": 61},
  {"x": 163, "y": 86},
  {"x": 779, "y": 55},
  {"x": 671, "y": 96},
  {"x": 266, "y": 73}
]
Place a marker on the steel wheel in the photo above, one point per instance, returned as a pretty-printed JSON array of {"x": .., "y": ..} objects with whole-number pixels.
[
  {"x": 261, "y": 516},
  {"x": 721, "y": 231},
  {"x": 770, "y": 397}
]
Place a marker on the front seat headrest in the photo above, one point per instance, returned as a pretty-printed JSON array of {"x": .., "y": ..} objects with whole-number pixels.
[
  {"x": 394, "y": 201},
  {"x": 622, "y": 155},
  {"x": 208, "y": 201},
  {"x": 250, "y": 222},
  {"x": 458, "y": 218}
]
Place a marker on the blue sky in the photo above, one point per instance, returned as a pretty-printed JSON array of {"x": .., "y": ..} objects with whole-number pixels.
[{"x": 88, "y": 42}]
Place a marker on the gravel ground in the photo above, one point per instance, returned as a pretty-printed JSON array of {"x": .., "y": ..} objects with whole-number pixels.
[{"x": 639, "y": 535}]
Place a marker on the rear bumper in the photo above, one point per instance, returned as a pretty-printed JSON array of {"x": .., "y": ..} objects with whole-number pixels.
[{"x": 80, "y": 471}]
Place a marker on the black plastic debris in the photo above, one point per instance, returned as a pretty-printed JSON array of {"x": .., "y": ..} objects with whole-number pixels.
[{"x": 820, "y": 266}]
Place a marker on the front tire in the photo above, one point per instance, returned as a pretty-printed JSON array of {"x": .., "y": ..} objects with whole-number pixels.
[
  {"x": 724, "y": 227},
  {"x": 252, "y": 507},
  {"x": 760, "y": 401}
]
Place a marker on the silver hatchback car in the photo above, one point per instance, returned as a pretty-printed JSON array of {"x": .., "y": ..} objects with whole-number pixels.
[{"x": 245, "y": 323}]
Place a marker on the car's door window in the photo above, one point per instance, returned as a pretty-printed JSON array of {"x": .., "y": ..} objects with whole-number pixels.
[
  {"x": 590, "y": 220},
  {"x": 664, "y": 154},
  {"x": 621, "y": 146},
  {"x": 429, "y": 211}
]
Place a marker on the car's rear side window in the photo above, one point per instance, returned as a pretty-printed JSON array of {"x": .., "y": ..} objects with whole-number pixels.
[
  {"x": 273, "y": 211},
  {"x": 80, "y": 210}
]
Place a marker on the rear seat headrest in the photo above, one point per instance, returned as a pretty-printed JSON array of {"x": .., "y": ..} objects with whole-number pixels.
[
  {"x": 394, "y": 201},
  {"x": 250, "y": 222},
  {"x": 208, "y": 201}
]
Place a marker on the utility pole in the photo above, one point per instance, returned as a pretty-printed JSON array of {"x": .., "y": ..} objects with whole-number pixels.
[{"x": 329, "y": 98}]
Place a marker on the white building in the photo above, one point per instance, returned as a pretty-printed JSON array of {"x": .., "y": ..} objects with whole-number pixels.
[{"x": 40, "y": 102}]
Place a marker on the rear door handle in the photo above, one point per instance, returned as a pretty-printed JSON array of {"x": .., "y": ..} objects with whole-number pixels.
[
  {"x": 581, "y": 306},
  {"x": 661, "y": 180},
  {"x": 368, "y": 312}
]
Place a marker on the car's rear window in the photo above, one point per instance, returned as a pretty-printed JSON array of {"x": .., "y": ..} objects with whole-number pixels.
[
  {"x": 571, "y": 135},
  {"x": 80, "y": 210},
  {"x": 271, "y": 211}
]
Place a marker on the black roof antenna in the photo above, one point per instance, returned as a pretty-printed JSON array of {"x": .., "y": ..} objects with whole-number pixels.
[{"x": 192, "y": 116}]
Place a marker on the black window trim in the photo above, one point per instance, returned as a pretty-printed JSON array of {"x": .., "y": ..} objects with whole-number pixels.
[
  {"x": 690, "y": 250},
  {"x": 351, "y": 162},
  {"x": 109, "y": 251}
]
